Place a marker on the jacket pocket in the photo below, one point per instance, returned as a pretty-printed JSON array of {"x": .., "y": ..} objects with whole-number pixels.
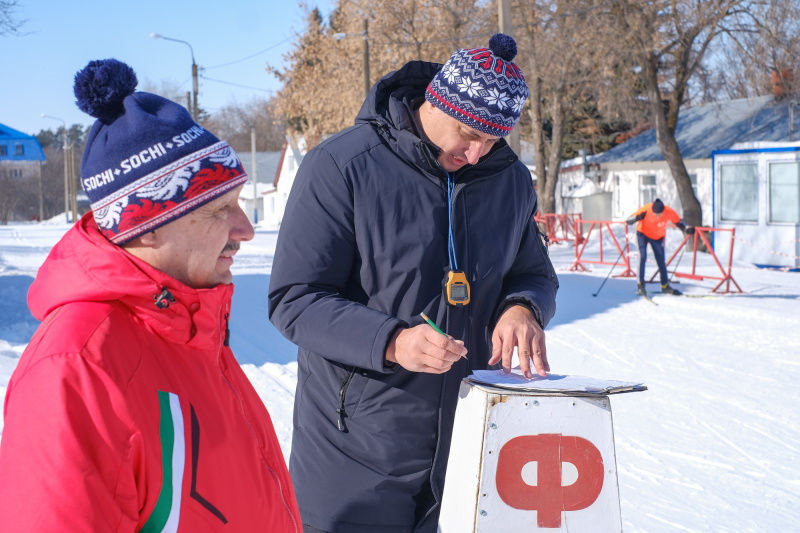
[
  {"x": 544, "y": 242},
  {"x": 340, "y": 410},
  {"x": 351, "y": 391}
]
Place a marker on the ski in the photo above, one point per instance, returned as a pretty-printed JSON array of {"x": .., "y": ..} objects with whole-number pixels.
[
  {"x": 647, "y": 297},
  {"x": 683, "y": 294}
]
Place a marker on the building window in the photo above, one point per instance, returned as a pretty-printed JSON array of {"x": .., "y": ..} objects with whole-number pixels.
[
  {"x": 693, "y": 180},
  {"x": 647, "y": 190},
  {"x": 784, "y": 192},
  {"x": 617, "y": 195},
  {"x": 19, "y": 150},
  {"x": 3, "y": 149},
  {"x": 738, "y": 191}
]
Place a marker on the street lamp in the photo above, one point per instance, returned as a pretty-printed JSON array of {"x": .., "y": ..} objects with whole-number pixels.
[
  {"x": 193, "y": 104},
  {"x": 365, "y": 35},
  {"x": 66, "y": 170}
]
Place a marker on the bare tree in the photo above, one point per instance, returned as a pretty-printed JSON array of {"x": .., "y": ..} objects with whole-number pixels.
[
  {"x": 233, "y": 123},
  {"x": 562, "y": 60},
  {"x": 52, "y": 143},
  {"x": 322, "y": 83},
  {"x": 425, "y": 30},
  {"x": 763, "y": 54},
  {"x": 9, "y": 23},
  {"x": 308, "y": 99},
  {"x": 10, "y": 197},
  {"x": 169, "y": 89},
  {"x": 667, "y": 41}
]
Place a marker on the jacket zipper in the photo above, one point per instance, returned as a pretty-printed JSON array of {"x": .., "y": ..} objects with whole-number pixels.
[
  {"x": 342, "y": 394},
  {"x": 225, "y": 342}
]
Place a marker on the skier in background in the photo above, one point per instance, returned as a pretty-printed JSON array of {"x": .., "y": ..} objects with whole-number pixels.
[{"x": 652, "y": 228}]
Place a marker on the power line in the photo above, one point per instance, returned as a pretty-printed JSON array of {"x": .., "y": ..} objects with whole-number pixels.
[
  {"x": 250, "y": 56},
  {"x": 238, "y": 85}
]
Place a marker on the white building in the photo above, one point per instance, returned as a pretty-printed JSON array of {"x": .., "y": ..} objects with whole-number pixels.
[
  {"x": 761, "y": 195},
  {"x": 275, "y": 199},
  {"x": 251, "y": 198},
  {"x": 757, "y": 193}
]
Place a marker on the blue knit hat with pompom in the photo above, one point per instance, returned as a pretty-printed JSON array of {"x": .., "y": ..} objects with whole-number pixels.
[
  {"x": 146, "y": 161},
  {"x": 481, "y": 87}
]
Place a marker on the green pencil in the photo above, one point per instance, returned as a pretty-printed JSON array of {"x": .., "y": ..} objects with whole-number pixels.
[
  {"x": 434, "y": 326},
  {"x": 430, "y": 322}
]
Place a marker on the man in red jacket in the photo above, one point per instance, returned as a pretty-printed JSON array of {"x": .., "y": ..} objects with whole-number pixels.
[
  {"x": 651, "y": 228},
  {"x": 128, "y": 412}
]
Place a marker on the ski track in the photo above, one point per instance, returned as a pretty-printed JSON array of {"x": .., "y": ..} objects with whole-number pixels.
[{"x": 712, "y": 446}]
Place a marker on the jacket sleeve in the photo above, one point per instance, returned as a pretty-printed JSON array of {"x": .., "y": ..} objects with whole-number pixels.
[
  {"x": 532, "y": 280},
  {"x": 674, "y": 217},
  {"x": 310, "y": 301},
  {"x": 66, "y": 451}
]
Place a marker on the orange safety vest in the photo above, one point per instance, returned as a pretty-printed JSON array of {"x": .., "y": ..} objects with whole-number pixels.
[{"x": 655, "y": 226}]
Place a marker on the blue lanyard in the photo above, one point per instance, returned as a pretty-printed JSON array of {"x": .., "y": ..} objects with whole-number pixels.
[{"x": 451, "y": 248}]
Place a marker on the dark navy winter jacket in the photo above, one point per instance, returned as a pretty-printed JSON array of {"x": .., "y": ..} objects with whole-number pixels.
[{"x": 361, "y": 252}]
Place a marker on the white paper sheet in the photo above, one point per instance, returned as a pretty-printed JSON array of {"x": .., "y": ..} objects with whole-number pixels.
[{"x": 552, "y": 382}]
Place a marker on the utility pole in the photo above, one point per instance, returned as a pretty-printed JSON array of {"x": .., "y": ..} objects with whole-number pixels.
[
  {"x": 66, "y": 170},
  {"x": 73, "y": 181},
  {"x": 366, "y": 58},
  {"x": 504, "y": 20},
  {"x": 41, "y": 193},
  {"x": 66, "y": 176},
  {"x": 192, "y": 105},
  {"x": 194, "y": 88},
  {"x": 255, "y": 173}
]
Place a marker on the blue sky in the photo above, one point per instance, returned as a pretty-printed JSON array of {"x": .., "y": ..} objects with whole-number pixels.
[{"x": 61, "y": 37}]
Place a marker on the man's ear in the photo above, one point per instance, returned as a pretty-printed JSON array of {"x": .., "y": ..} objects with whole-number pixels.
[
  {"x": 146, "y": 240},
  {"x": 149, "y": 238}
]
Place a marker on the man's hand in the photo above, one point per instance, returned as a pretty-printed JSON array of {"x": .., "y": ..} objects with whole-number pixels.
[
  {"x": 633, "y": 219},
  {"x": 423, "y": 349},
  {"x": 517, "y": 327}
]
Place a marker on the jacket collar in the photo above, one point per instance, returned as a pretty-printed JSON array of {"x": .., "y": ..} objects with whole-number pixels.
[{"x": 99, "y": 271}]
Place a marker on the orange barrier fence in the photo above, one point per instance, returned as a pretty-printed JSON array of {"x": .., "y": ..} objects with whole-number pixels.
[
  {"x": 559, "y": 227},
  {"x": 725, "y": 278},
  {"x": 581, "y": 240}
]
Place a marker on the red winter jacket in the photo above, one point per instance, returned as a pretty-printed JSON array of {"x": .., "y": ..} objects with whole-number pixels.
[{"x": 123, "y": 416}]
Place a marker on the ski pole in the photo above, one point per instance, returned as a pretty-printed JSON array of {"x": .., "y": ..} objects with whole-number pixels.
[
  {"x": 678, "y": 262},
  {"x": 609, "y": 274}
]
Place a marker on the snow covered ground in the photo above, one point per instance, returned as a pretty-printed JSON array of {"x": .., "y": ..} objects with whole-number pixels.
[{"x": 713, "y": 445}]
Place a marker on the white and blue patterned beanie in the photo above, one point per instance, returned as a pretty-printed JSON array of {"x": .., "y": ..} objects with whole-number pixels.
[
  {"x": 146, "y": 162},
  {"x": 481, "y": 87}
]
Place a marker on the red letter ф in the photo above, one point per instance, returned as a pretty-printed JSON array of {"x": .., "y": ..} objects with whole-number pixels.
[{"x": 549, "y": 497}]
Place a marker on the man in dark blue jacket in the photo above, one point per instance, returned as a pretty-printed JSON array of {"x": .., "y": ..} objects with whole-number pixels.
[{"x": 421, "y": 207}]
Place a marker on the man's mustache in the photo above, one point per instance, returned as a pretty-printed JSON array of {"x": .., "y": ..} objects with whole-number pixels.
[{"x": 232, "y": 246}]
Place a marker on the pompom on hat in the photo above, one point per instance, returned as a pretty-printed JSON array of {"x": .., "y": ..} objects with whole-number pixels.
[
  {"x": 146, "y": 161},
  {"x": 481, "y": 87}
]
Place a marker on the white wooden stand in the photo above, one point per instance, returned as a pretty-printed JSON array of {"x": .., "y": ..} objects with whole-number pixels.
[{"x": 523, "y": 461}]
